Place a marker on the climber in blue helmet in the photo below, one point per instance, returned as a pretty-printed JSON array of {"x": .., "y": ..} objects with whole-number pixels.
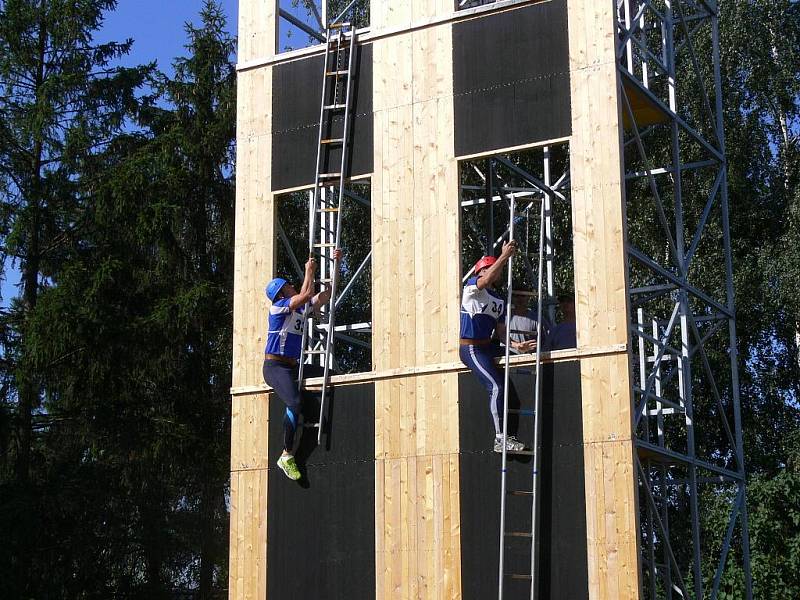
[{"x": 287, "y": 317}]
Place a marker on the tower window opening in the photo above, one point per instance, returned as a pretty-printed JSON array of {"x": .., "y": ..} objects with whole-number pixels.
[
  {"x": 538, "y": 181},
  {"x": 303, "y": 23},
  {"x": 353, "y": 324}
]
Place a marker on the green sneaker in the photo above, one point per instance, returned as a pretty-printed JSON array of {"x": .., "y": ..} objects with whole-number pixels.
[{"x": 288, "y": 466}]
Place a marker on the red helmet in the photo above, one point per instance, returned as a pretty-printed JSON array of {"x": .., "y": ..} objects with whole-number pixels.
[{"x": 486, "y": 261}]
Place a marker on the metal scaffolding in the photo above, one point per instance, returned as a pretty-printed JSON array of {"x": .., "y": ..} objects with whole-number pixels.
[
  {"x": 686, "y": 411},
  {"x": 500, "y": 177}
]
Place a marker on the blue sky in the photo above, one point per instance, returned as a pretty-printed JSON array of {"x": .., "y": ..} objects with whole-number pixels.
[{"x": 157, "y": 28}]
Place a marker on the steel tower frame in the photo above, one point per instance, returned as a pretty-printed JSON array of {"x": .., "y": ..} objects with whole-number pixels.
[{"x": 682, "y": 328}]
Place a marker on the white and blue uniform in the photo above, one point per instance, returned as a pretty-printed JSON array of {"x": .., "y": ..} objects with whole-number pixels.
[
  {"x": 284, "y": 337},
  {"x": 285, "y": 329},
  {"x": 481, "y": 309}
]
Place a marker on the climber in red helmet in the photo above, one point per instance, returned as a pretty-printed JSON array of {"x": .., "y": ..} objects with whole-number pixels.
[{"x": 481, "y": 309}]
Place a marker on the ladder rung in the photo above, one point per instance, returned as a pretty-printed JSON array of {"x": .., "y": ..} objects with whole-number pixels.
[
  {"x": 522, "y": 534},
  {"x": 336, "y": 73},
  {"x": 332, "y": 141},
  {"x": 325, "y": 245},
  {"x": 332, "y": 209},
  {"x": 521, "y": 452},
  {"x": 515, "y": 576},
  {"x": 338, "y": 25},
  {"x": 315, "y": 352},
  {"x": 329, "y": 175},
  {"x": 525, "y": 412},
  {"x": 520, "y": 493},
  {"x": 334, "y": 106}
]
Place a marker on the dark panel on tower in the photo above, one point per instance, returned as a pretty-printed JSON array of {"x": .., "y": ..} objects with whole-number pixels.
[
  {"x": 296, "y": 95},
  {"x": 563, "y": 571},
  {"x": 511, "y": 78},
  {"x": 321, "y": 530}
]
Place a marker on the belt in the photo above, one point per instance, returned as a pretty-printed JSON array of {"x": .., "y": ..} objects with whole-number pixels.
[
  {"x": 284, "y": 359},
  {"x": 469, "y": 342}
]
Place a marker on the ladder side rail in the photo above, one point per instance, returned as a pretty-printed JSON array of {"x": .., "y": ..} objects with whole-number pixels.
[
  {"x": 548, "y": 230},
  {"x": 506, "y": 377},
  {"x": 334, "y": 275},
  {"x": 537, "y": 410},
  {"x": 307, "y": 341},
  {"x": 315, "y": 202}
]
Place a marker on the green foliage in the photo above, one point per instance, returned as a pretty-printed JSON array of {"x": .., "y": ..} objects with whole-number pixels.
[
  {"x": 129, "y": 341},
  {"x": 760, "y": 54},
  {"x": 761, "y": 78},
  {"x": 61, "y": 101},
  {"x": 774, "y": 519}
]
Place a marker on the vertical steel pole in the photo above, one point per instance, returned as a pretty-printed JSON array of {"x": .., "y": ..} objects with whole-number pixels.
[
  {"x": 731, "y": 304},
  {"x": 536, "y": 413},
  {"x": 548, "y": 235},
  {"x": 685, "y": 307},
  {"x": 506, "y": 374},
  {"x": 646, "y": 426}
]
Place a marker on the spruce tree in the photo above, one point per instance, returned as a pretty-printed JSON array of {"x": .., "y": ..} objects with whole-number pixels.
[
  {"x": 142, "y": 307},
  {"x": 60, "y": 101}
]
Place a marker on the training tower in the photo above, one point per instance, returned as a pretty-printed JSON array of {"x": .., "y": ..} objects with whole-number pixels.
[{"x": 640, "y": 422}]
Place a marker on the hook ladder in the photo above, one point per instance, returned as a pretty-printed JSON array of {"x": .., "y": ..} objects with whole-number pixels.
[
  {"x": 325, "y": 210},
  {"x": 511, "y": 534}
]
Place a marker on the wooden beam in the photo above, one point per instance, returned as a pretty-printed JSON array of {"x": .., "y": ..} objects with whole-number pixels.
[
  {"x": 253, "y": 260},
  {"x": 258, "y": 26},
  {"x": 253, "y": 265},
  {"x": 416, "y": 276},
  {"x": 602, "y": 302},
  {"x": 248, "y": 525},
  {"x": 556, "y": 356},
  {"x": 249, "y": 427},
  {"x": 247, "y": 578}
]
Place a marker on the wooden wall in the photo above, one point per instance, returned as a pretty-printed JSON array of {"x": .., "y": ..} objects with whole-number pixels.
[
  {"x": 252, "y": 267},
  {"x": 416, "y": 285},
  {"x": 416, "y": 277},
  {"x": 601, "y": 307}
]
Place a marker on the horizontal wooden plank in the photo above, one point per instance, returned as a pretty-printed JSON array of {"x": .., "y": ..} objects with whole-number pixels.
[
  {"x": 446, "y": 367},
  {"x": 403, "y": 25}
]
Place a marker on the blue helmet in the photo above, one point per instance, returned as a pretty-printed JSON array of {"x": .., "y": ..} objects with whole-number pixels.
[{"x": 274, "y": 286}]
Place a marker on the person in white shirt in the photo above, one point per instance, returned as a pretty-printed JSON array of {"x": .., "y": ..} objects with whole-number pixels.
[{"x": 523, "y": 323}]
